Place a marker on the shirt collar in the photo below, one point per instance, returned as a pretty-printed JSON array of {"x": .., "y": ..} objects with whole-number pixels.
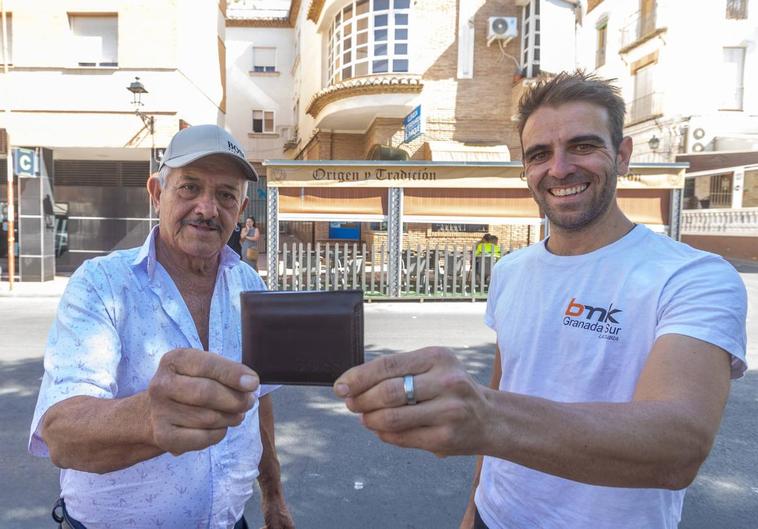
[{"x": 229, "y": 257}]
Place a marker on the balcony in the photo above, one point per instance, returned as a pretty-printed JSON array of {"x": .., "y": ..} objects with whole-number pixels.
[
  {"x": 742, "y": 221},
  {"x": 640, "y": 27},
  {"x": 643, "y": 108},
  {"x": 353, "y": 104}
]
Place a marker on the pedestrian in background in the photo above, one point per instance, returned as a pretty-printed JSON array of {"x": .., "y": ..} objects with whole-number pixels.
[
  {"x": 615, "y": 347},
  {"x": 249, "y": 237}
]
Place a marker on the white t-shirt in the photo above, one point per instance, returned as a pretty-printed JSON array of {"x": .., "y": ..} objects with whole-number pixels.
[{"x": 579, "y": 329}]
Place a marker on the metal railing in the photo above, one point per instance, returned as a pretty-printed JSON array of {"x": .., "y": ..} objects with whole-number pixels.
[
  {"x": 736, "y": 9},
  {"x": 448, "y": 271},
  {"x": 743, "y": 221},
  {"x": 639, "y": 25}
]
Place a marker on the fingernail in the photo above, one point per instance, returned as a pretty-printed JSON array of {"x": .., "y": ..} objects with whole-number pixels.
[
  {"x": 248, "y": 382},
  {"x": 341, "y": 390}
]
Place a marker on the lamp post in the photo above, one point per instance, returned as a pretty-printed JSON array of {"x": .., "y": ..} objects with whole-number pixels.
[{"x": 137, "y": 89}]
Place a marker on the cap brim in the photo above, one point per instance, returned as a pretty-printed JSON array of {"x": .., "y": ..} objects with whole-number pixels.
[{"x": 181, "y": 161}]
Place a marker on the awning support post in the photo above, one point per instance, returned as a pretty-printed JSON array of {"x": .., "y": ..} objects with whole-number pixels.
[
  {"x": 272, "y": 238},
  {"x": 395, "y": 238}
]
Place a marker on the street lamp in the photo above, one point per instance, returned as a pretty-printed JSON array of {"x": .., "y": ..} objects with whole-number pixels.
[
  {"x": 654, "y": 142},
  {"x": 137, "y": 89}
]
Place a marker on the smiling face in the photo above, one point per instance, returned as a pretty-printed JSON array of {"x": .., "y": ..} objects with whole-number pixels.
[
  {"x": 571, "y": 165},
  {"x": 198, "y": 207}
]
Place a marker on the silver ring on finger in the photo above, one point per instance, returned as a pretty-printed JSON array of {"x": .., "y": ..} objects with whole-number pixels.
[{"x": 410, "y": 390}]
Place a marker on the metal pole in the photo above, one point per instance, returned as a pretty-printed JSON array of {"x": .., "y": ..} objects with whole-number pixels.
[
  {"x": 272, "y": 238},
  {"x": 395, "y": 239},
  {"x": 676, "y": 215},
  {"x": 150, "y": 170},
  {"x": 9, "y": 158}
]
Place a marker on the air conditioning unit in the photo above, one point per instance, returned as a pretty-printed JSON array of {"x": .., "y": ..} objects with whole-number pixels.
[
  {"x": 700, "y": 136},
  {"x": 501, "y": 28}
]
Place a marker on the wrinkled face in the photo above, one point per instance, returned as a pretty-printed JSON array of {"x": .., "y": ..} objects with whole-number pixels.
[
  {"x": 570, "y": 163},
  {"x": 199, "y": 206}
]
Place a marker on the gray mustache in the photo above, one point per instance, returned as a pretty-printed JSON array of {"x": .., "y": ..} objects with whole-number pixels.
[{"x": 199, "y": 222}]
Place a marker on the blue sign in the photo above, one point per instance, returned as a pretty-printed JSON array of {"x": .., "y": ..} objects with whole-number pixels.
[
  {"x": 413, "y": 125},
  {"x": 25, "y": 162}
]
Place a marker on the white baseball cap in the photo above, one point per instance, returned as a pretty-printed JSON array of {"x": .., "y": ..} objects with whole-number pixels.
[{"x": 199, "y": 141}]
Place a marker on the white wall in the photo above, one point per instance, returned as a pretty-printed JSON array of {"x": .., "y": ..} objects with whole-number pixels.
[
  {"x": 557, "y": 36},
  {"x": 248, "y": 90},
  {"x": 58, "y": 104},
  {"x": 689, "y": 66}
]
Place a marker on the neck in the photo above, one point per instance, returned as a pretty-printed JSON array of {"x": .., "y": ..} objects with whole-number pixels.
[
  {"x": 186, "y": 268},
  {"x": 605, "y": 230}
]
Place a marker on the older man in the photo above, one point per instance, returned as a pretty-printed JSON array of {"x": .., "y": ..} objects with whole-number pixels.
[
  {"x": 615, "y": 347},
  {"x": 144, "y": 404}
]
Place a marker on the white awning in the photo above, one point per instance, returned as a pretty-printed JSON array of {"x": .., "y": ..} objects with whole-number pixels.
[{"x": 453, "y": 151}]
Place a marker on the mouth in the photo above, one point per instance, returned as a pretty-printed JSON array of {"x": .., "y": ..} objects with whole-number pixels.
[
  {"x": 201, "y": 226},
  {"x": 568, "y": 191}
]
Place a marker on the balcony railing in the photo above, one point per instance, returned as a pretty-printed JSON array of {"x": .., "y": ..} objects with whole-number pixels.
[
  {"x": 644, "y": 107},
  {"x": 639, "y": 25},
  {"x": 743, "y": 221}
]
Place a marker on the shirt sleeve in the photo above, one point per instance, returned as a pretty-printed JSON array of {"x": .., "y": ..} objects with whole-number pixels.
[
  {"x": 83, "y": 351},
  {"x": 492, "y": 295},
  {"x": 707, "y": 300}
]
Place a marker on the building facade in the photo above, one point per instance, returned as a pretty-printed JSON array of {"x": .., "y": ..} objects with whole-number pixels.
[
  {"x": 69, "y": 67},
  {"x": 357, "y": 69},
  {"x": 690, "y": 77}
]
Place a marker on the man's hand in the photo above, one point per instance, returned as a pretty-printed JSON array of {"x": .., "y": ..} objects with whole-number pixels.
[
  {"x": 276, "y": 515},
  {"x": 195, "y": 396},
  {"x": 449, "y": 417}
]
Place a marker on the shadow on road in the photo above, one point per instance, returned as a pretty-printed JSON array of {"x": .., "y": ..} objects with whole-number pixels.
[
  {"x": 338, "y": 474},
  {"x": 29, "y": 484}
]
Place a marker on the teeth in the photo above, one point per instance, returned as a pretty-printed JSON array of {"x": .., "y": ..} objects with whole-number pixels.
[{"x": 566, "y": 191}]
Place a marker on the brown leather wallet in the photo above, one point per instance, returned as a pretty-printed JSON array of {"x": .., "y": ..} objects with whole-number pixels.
[{"x": 304, "y": 338}]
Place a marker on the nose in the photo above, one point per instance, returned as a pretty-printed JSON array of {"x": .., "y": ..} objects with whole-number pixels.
[
  {"x": 206, "y": 206},
  {"x": 561, "y": 165}
]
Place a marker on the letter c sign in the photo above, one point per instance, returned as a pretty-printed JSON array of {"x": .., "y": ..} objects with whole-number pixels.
[{"x": 25, "y": 162}]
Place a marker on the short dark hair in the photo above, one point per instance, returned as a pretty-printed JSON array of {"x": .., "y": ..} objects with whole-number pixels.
[{"x": 569, "y": 87}]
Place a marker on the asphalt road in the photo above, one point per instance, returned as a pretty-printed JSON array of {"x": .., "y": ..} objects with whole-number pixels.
[{"x": 336, "y": 474}]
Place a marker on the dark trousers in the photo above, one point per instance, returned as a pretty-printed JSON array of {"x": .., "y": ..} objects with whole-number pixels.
[
  {"x": 478, "y": 522},
  {"x": 65, "y": 521}
]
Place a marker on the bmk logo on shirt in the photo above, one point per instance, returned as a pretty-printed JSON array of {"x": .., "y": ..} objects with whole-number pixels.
[{"x": 603, "y": 321}]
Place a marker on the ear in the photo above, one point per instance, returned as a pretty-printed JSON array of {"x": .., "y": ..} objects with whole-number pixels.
[
  {"x": 623, "y": 155},
  {"x": 154, "y": 189},
  {"x": 242, "y": 209}
]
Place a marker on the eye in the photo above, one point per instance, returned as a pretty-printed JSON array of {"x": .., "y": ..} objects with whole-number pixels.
[
  {"x": 538, "y": 157},
  {"x": 188, "y": 187},
  {"x": 583, "y": 148}
]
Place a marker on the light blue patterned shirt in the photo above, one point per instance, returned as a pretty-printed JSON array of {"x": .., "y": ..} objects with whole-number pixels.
[{"x": 118, "y": 316}]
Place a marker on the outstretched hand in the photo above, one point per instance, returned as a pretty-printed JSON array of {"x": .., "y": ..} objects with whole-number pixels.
[
  {"x": 195, "y": 396},
  {"x": 449, "y": 417}
]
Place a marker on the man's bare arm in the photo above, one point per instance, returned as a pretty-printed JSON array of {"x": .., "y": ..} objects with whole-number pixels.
[
  {"x": 191, "y": 401},
  {"x": 99, "y": 435},
  {"x": 658, "y": 440}
]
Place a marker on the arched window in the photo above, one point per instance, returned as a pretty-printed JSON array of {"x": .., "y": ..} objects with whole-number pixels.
[{"x": 369, "y": 37}]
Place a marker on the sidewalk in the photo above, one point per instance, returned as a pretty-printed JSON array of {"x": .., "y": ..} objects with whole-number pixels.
[{"x": 48, "y": 289}]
